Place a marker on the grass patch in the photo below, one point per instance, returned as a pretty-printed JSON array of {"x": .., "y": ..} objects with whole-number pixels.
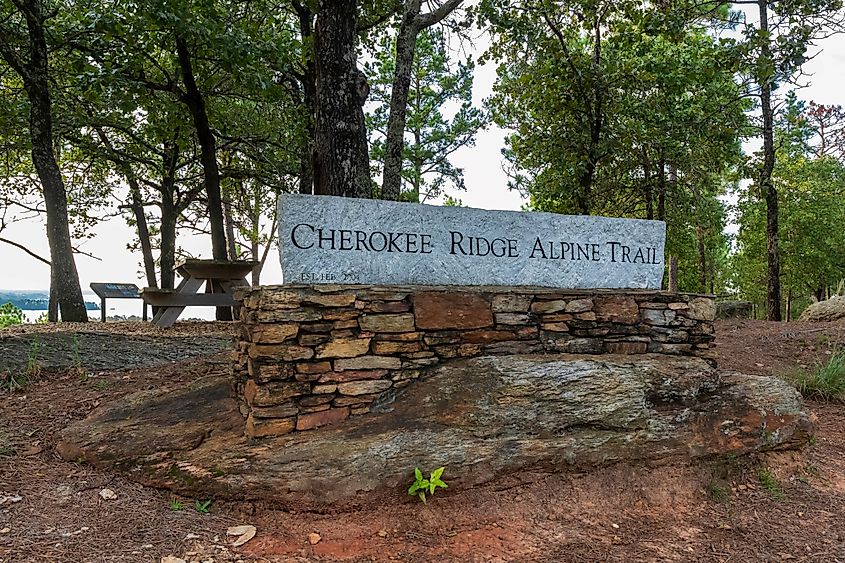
[
  {"x": 770, "y": 484},
  {"x": 719, "y": 490},
  {"x": 824, "y": 381}
]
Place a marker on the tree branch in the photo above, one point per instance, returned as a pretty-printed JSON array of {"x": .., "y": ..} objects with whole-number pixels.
[{"x": 25, "y": 249}]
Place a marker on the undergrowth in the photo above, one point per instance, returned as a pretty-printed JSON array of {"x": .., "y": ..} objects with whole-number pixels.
[{"x": 823, "y": 381}]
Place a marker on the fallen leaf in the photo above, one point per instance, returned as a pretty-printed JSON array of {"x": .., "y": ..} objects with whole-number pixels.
[
  {"x": 32, "y": 450},
  {"x": 314, "y": 538},
  {"x": 108, "y": 494},
  {"x": 11, "y": 499},
  {"x": 245, "y": 532}
]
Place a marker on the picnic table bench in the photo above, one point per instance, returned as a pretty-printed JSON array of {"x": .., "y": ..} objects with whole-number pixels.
[{"x": 221, "y": 278}]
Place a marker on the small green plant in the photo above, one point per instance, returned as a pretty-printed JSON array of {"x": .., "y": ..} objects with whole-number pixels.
[
  {"x": 42, "y": 319},
  {"x": 421, "y": 485},
  {"x": 102, "y": 384},
  {"x": 824, "y": 381},
  {"x": 77, "y": 369},
  {"x": 33, "y": 363},
  {"x": 202, "y": 506},
  {"x": 770, "y": 484},
  {"x": 10, "y": 315},
  {"x": 176, "y": 505},
  {"x": 719, "y": 490}
]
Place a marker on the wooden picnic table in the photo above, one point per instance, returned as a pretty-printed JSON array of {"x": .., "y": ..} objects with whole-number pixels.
[{"x": 221, "y": 278}]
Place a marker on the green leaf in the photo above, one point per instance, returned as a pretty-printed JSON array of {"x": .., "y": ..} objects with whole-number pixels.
[
  {"x": 437, "y": 473},
  {"x": 418, "y": 474}
]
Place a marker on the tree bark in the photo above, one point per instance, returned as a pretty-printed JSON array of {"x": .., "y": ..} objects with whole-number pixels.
[
  {"x": 195, "y": 101},
  {"x": 673, "y": 274},
  {"x": 309, "y": 97},
  {"x": 406, "y": 44},
  {"x": 137, "y": 206},
  {"x": 341, "y": 155},
  {"x": 64, "y": 278},
  {"x": 169, "y": 217},
  {"x": 773, "y": 293}
]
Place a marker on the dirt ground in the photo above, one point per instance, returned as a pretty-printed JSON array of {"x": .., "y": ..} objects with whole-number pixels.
[{"x": 780, "y": 507}]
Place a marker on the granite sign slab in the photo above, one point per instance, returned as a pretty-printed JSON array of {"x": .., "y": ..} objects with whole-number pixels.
[{"x": 337, "y": 240}]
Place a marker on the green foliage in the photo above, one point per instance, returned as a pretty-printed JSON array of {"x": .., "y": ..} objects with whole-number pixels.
[
  {"x": 825, "y": 381},
  {"x": 719, "y": 490},
  {"x": 10, "y": 315},
  {"x": 33, "y": 361},
  {"x": 202, "y": 506},
  {"x": 176, "y": 505},
  {"x": 421, "y": 485},
  {"x": 770, "y": 483},
  {"x": 440, "y": 116}
]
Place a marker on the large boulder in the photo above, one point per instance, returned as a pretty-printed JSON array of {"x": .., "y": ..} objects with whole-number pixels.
[
  {"x": 484, "y": 419},
  {"x": 734, "y": 310},
  {"x": 831, "y": 309}
]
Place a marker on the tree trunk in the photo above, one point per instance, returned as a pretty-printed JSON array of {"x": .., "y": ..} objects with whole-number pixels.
[
  {"x": 167, "y": 257},
  {"x": 406, "y": 43},
  {"x": 673, "y": 274},
  {"x": 64, "y": 278},
  {"x": 230, "y": 229},
  {"x": 341, "y": 156},
  {"x": 208, "y": 150},
  {"x": 137, "y": 206},
  {"x": 766, "y": 185},
  {"x": 702, "y": 260},
  {"x": 309, "y": 94}
]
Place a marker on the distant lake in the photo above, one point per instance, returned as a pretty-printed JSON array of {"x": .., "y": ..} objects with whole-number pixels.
[{"x": 126, "y": 308}]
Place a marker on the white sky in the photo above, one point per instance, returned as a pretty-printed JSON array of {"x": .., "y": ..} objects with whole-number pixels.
[{"x": 486, "y": 188}]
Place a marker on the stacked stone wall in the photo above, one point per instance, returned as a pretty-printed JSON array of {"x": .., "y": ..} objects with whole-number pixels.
[{"x": 314, "y": 355}]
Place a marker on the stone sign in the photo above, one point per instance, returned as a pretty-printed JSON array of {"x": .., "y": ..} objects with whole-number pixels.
[{"x": 337, "y": 240}]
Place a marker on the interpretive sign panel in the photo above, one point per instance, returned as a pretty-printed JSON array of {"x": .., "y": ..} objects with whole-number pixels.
[{"x": 325, "y": 239}]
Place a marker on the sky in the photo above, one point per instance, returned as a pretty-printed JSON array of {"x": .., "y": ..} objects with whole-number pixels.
[{"x": 485, "y": 180}]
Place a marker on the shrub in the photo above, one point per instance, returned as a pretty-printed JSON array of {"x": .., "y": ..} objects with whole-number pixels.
[
  {"x": 824, "y": 381},
  {"x": 10, "y": 315}
]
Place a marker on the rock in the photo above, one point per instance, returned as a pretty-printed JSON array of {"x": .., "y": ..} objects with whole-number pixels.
[
  {"x": 314, "y": 538},
  {"x": 511, "y": 303},
  {"x": 314, "y": 420},
  {"x": 353, "y": 375},
  {"x": 702, "y": 309},
  {"x": 544, "y": 307},
  {"x": 363, "y": 387},
  {"x": 486, "y": 418},
  {"x": 368, "y": 362},
  {"x": 623, "y": 310},
  {"x": 513, "y": 319},
  {"x": 734, "y": 310},
  {"x": 275, "y": 333},
  {"x": 108, "y": 494},
  {"x": 452, "y": 310},
  {"x": 260, "y": 427},
  {"x": 579, "y": 306},
  {"x": 285, "y": 352},
  {"x": 387, "y": 323},
  {"x": 172, "y": 559},
  {"x": 832, "y": 309},
  {"x": 344, "y": 348},
  {"x": 273, "y": 394},
  {"x": 330, "y": 300}
]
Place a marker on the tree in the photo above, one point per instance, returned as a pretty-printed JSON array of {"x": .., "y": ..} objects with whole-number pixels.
[
  {"x": 29, "y": 56},
  {"x": 413, "y": 22},
  {"x": 341, "y": 155},
  {"x": 429, "y": 137},
  {"x": 777, "y": 48}
]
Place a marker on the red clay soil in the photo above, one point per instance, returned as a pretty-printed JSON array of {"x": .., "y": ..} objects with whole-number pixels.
[{"x": 781, "y": 507}]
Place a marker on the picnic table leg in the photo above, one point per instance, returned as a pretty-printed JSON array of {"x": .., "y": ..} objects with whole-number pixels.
[
  {"x": 103, "y": 309},
  {"x": 166, "y": 316}
]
